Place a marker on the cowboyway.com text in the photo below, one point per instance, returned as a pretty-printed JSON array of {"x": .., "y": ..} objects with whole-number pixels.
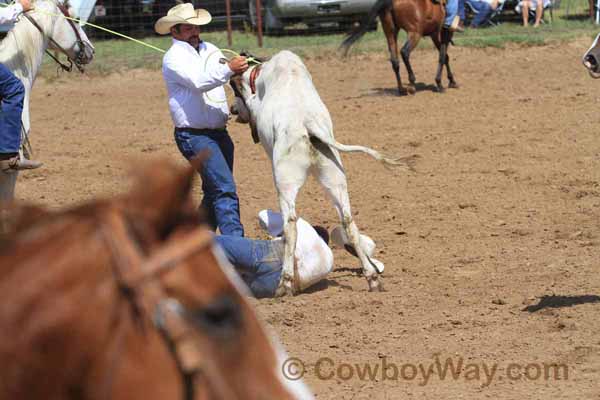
[{"x": 438, "y": 368}]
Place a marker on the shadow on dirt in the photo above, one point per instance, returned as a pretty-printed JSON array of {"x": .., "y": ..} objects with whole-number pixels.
[
  {"x": 323, "y": 285},
  {"x": 561, "y": 301}
]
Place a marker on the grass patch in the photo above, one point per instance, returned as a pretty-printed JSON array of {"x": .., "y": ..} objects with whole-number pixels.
[{"x": 120, "y": 55}]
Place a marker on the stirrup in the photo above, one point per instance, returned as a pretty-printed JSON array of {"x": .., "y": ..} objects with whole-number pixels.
[{"x": 17, "y": 163}]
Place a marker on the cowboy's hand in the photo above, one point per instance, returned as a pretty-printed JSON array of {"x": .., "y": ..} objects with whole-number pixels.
[
  {"x": 27, "y": 6},
  {"x": 238, "y": 65}
]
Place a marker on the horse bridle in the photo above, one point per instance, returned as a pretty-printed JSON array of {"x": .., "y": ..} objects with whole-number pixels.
[
  {"x": 133, "y": 271},
  {"x": 78, "y": 61}
]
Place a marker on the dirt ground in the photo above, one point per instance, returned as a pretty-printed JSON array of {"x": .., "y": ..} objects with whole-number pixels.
[{"x": 491, "y": 246}]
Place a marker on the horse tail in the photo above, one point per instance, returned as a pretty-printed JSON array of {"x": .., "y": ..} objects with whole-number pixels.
[{"x": 354, "y": 36}]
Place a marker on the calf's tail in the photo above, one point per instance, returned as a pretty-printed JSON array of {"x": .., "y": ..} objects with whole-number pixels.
[{"x": 408, "y": 161}]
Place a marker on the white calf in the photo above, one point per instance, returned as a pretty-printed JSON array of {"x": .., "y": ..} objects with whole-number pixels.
[{"x": 287, "y": 115}]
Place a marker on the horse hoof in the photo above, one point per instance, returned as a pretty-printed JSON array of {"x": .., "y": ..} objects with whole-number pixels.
[
  {"x": 402, "y": 92},
  {"x": 411, "y": 90},
  {"x": 441, "y": 89},
  {"x": 453, "y": 85}
]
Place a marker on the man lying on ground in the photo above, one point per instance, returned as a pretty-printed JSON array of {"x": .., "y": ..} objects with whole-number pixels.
[{"x": 260, "y": 262}]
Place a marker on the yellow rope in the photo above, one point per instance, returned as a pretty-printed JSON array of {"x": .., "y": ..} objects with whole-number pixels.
[
  {"x": 249, "y": 59},
  {"x": 77, "y": 20}
]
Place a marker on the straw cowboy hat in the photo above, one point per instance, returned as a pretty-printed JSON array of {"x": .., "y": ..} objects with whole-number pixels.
[{"x": 182, "y": 14}]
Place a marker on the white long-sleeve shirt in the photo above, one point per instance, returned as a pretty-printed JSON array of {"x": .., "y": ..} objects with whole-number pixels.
[
  {"x": 8, "y": 15},
  {"x": 196, "y": 94}
]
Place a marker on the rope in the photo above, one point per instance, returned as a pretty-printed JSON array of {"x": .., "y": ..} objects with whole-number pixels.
[
  {"x": 249, "y": 59},
  {"x": 140, "y": 42}
]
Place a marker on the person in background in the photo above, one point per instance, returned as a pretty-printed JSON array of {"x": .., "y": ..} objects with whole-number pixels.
[
  {"x": 482, "y": 10},
  {"x": 536, "y": 5}
]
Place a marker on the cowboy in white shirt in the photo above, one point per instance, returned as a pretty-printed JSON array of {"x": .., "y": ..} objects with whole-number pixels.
[
  {"x": 260, "y": 262},
  {"x": 195, "y": 75}
]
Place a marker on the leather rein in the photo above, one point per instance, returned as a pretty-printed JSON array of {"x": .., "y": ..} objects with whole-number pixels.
[
  {"x": 137, "y": 281},
  {"x": 80, "y": 54}
]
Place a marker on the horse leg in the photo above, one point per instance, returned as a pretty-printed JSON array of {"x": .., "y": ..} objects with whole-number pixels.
[
  {"x": 411, "y": 43},
  {"x": 8, "y": 180},
  {"x": 391, "y": 35},
  {"x": 451, "y": 81},
  {"x": 442, "y": 44}
]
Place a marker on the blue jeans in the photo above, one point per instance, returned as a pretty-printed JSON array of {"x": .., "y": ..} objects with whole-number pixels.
[
  {"x": 259, "y": 262},
  {"x": 461, "y": 10},
  {"x": 220, "y": 197},
  {"x": 482, "y": 11},
  {"x": 451, "y": 11},
  {"x": 12, "y": 94}
]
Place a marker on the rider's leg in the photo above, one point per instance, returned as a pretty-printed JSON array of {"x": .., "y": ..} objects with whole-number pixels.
[
  {"x": 452, "y": 19},
  {"x": 12, "y": 94}
]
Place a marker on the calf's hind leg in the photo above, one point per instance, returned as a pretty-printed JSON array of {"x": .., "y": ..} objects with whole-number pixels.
[{"x": 331, "y": 175}]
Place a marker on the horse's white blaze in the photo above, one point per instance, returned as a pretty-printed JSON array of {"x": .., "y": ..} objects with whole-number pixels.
[{"x": 296, "y": 388}]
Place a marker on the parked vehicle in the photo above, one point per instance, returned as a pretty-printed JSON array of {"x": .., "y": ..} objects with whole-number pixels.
[
  {"x": 277, "y": 14},
  {"x": 137, "y": 17}
]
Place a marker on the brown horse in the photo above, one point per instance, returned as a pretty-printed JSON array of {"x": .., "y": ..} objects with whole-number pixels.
[
  {"x": 418, "y": 18},
  {"x": 127, "y": 299}
]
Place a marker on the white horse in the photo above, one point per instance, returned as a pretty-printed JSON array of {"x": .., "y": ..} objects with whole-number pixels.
[{"x": 22, "y": 51}]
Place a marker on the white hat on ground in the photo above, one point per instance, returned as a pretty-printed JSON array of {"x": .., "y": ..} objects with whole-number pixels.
[
  {"x": 271, "y": 222},
  {"x": 340, "y": 238}
]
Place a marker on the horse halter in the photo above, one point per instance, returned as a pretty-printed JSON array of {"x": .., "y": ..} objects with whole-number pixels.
[
  {"x": 133, "y": 272},
  {"x": 79, "y": 58}
]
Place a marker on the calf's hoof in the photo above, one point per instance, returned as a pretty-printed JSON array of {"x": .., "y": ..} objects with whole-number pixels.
[
  {"x": 285, "y": 288},
  {"x": 375, "y": 284}
]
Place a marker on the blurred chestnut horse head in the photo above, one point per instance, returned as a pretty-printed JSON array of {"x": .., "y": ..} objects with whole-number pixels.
[
  {"x": 418, "y": 18},
  {"x": 128, "y": 299}
]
